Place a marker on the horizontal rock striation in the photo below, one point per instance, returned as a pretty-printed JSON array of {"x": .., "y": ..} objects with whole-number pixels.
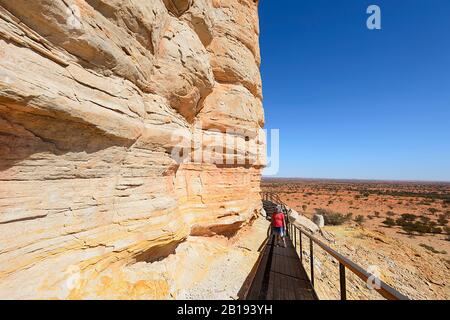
[{"x": 113, "y": 118}]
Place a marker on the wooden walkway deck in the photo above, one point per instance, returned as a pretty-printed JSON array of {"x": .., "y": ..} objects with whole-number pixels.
[{"x": 280, "y": 275}]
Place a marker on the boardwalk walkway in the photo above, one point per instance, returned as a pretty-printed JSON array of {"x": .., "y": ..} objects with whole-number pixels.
[{"x": 280, "y": 275}]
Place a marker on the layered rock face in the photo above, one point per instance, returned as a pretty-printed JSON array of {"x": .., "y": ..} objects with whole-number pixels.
[{"x": 125, "y": 128}]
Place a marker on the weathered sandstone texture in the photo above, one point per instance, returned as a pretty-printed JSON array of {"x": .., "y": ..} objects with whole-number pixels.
[{"x": 96, "y": 97}]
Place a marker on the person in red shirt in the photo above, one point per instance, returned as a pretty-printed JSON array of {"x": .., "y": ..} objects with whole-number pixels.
[{"x": 278, "y": 226}]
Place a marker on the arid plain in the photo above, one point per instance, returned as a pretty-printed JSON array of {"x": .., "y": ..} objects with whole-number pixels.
[{"x": 402, "y": 228}]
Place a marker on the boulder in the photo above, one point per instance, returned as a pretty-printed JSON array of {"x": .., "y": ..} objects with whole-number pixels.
[
  {"x": 319, "y": 220},
  {"x": 302, "y": 222}
]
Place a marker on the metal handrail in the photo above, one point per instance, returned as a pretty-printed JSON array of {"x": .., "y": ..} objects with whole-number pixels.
[{"x": 383, "y": 289}]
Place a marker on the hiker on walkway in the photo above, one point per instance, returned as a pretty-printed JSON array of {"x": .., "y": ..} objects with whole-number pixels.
[{"x": 278, "y": 226}]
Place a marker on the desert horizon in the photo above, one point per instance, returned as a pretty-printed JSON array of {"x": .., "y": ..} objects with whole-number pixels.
[{"x": 359, "y": 180}]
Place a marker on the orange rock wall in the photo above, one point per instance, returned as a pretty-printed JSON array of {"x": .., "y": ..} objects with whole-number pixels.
[{"x": 95, "y": 98}]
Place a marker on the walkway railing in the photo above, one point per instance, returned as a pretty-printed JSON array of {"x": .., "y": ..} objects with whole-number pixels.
[{"x": 344, "y": 263}]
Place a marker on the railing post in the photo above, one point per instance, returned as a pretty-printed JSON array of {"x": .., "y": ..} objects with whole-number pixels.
[
  {"x": 295, "y": 238},
  {"x": 291, "y": 226},
  {"x": 342, "y": 281},
  {"x": 301, "y": 247},
  {"x": 311, "y": 258},
  {"x": 290, "y": 229}
]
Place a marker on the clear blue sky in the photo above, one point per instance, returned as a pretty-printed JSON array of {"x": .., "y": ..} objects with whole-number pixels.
[{"x": 355, "y": 103}]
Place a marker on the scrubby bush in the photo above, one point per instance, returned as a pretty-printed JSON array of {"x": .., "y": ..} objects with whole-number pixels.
[
  {"x": 425, "y": 219},
  {"x": 359, "y": 219},
  {"x": 442, "y": 220},
  {"x": 410, "y": 225},
  {"x": 419, "y": 227},
  {"x": 447, "y": 231},
  {"x": 389, "y": 222},
  {"x": 405, "y": 219},
  {"x": 304, "y": 207},
  {"x": 436, "y": 230},
  {"x": 433, "y": 210},
  {"x": 390, "y": 213},
  {"x": 333, "y": 218}
]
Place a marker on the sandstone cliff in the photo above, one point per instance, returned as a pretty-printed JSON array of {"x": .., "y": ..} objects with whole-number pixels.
[{"x": 96, "y": 98}]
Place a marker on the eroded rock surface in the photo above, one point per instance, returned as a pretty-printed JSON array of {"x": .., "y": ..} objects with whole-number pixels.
[{"x": 96, "y": 98}]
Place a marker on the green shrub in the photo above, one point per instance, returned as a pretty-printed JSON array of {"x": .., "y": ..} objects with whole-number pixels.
[
  {"x": 436, "y": 230},
  {"x": 420, "y": 227},
  {"x": 359, "y": 219},
  {"x": 389, "y": 222},
  {"x": 425, "y": 225},
  {"x": 406, "y": 218},
  {"x": 447, "y": 231},
  {"x": 425, "y": 220},
  {"x": 333, "y": 218},
  {"x": 442, "y": 220}
]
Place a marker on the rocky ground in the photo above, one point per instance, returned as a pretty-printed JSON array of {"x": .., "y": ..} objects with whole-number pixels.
[
  {"x": 226, "y": 277},
  {"x": 199, "y": 268},
  {"x": 413, "y": 271}
]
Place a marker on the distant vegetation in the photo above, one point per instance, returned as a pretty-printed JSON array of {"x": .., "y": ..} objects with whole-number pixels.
[
  {"x": 395, "y": 193},
  {"x": 410, "y": 223}
]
